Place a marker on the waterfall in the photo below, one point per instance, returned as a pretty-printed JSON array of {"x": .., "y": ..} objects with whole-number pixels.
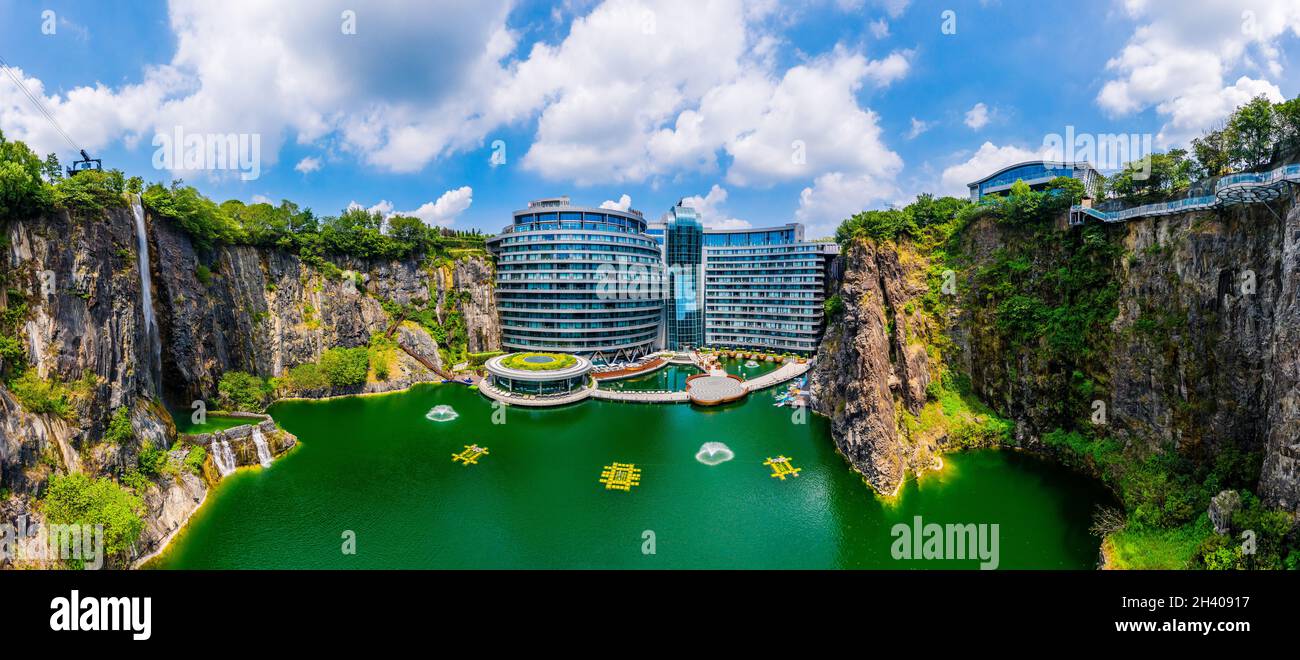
[
  {"x": 222, "y": 456},
  {"x": 146, "y": 294},
  {"x": 263, "y": 452}
]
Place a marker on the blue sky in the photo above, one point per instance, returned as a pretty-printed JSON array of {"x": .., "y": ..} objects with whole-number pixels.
[{"x": 766, "y": 112}]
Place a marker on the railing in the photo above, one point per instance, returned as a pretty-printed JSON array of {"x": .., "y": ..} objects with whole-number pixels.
[{"x": 1228, "y": 190}]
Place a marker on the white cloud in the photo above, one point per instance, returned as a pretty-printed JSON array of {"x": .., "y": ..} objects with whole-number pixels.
[
  {"x": 811, "y": 124},
  {"x": 635, "y": 91},
  {"x": 624, "y": 203},
  {"x": 436, "y": 214},
  {"x": 709, "y": 208},
  {"x": 918, "y": 127},
  {"x": 616, "y": 105},
  {"x": 308, "y": 165},
  {"x": 835, "y": 196},
  {"x": 292, "y": 73},
  {"x": 1180, "y": 55},
  {"x": 978, "y": 116},
  {"x": 988, "y": 159},
  {"x": 879, "y": 29}
]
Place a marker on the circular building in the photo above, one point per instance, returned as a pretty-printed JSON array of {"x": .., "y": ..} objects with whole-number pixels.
[
  {"x": 573, "y": 279},
  {"x": 552, "y": 375}
]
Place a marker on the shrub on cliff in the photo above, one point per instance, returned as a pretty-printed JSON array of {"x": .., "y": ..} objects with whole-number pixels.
[
  {"x": 119, "y": 429},
  {"x": 41, "y": 396},
  {"x": 91, "y": 192},
  {"x": 78, "y": 499},
  {"x": 241, "y": 391},
  {"x": 22, "y": 191},
  {"x": 304, "y": 378},
  {"x": 345, "y": 367},
  {"x": 195, "y": 214},
  {"x": 195, "y": 458}
]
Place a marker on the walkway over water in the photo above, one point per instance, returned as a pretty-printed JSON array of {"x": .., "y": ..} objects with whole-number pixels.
[
  {"x": 1245, "y": 188},
  {"x": 784, "y": 373}
]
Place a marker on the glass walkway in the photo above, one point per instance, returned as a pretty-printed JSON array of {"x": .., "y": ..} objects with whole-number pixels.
[{"x": 1245, "y": 188}]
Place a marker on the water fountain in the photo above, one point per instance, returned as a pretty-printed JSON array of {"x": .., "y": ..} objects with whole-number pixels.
[
  {"x": 222, "y": 456},
  {"x": 146, "y": 294},
  {"x": 443, "y": 413},
  {"x": 263, "y": 451},
  {"x": 714, "y": 453},
  {"x": 751, "y": 365}
]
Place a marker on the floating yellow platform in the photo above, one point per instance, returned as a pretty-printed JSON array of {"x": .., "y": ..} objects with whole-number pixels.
[
  {"x": 782, "y": 467},
  {"x": 471, "y": 455},
  {"x": 621, "y": 476}
]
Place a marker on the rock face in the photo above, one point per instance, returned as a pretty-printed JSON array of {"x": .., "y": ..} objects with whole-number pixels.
[
  {"x": 80, "y": 282},
  {"x": 1222, "y": 506},
  {"x": 168, "y": 506},
  {"x": 260, "y": 310},
  {"x": 474, "y": 277},
  {"x": 1203, "y": 355},
  {"x": 869, "y": 365},
  {"x": 264, "y": 311}
]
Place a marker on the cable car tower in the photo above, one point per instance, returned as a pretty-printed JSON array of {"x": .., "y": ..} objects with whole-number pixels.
[{"x": 85, "y": 164}]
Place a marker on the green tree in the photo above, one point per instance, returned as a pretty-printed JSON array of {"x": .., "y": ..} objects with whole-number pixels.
[
  {"x": 1156, "y": 177},
  {"x": 345, "y": 367},
  {"x": 195, "y": 214},
  {"x": 119, "y": 429},
  {"x": 306, "y": 377},
  {"x": 91, "y": 191},
  {"x": 242, "y": 391},
  {"x": 78, "y": 499},
  {"x": 1254, "y": 129},
  {"x": 1212, "y": 153},
  {"x": 22, "y": 192}
]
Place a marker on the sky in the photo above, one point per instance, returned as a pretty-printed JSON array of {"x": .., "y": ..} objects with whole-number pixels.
[{"x": 758, "y": 112}]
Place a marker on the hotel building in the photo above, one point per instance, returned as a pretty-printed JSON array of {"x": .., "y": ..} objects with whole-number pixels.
[
  {"x": 765, "y": 288},
  {"x": 749, "y": 288},
  {"x": 550, "y": 295},
  {"x": 1036, "y": 173}
]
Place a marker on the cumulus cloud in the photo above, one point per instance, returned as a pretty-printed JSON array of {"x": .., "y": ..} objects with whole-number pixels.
[
  {"x": 1181, "y": 55},
  {"x": 978, "y": 116},
  {"x": 441, "y": 213},
  {"x": 987, "y": 159},
  {"x": 634, "y": 91},
  {"x": 308, "y": 165},
  {"x": 624, "y": 203},
  {"x": 293, "y": 73},
  {"x": 709, "y": 208}
]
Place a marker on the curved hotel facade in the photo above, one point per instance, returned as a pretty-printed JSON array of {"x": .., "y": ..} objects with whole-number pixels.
[
  {"x": 751, "y": 288},
  {"x": 550, "y": 295}
]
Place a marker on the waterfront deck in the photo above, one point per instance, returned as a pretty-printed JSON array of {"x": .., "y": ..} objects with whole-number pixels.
[
  {"x": 641, "y": 397},
  {"x": 532, "y": 401},
  {"x": 782, "y": 374},
  {"x": 619, "y": 374}
]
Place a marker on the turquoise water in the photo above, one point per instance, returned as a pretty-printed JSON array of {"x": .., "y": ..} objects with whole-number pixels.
[
  {"x": 185, "y": 423},
  {"x": 671, "y": 378},
  {"x": 374, "y": 466}
]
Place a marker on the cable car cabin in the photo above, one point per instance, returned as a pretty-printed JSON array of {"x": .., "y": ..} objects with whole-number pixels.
[{"x": 85, "y": 164}]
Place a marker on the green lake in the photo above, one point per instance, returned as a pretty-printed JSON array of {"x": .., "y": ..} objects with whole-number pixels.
[{"x": 375, "y": 466}]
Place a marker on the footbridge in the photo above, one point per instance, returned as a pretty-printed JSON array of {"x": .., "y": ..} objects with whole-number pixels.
[{"x": 1231, "y": 190}]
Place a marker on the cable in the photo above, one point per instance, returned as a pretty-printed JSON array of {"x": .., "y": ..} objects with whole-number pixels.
[{"x": 40, "y": 107}]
